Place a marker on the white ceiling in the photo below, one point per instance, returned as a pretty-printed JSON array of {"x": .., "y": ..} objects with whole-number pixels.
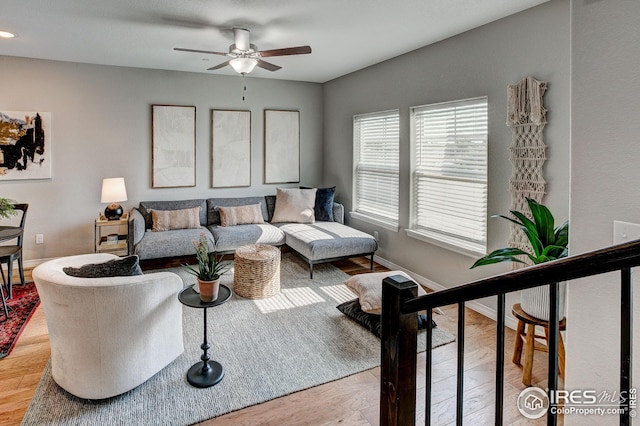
[{"x": 345, "y": 35}]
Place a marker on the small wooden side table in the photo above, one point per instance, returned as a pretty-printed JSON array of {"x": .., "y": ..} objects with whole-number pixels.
[
  {"x": 205, "y": 373},
  {"x": 528, "y": 339},
  {"x": 110, "y": 236}
]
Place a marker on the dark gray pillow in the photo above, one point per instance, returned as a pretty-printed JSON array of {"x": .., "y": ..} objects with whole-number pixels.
[
  {"x": 372, "y": 321},
  {"x": 323, "y": 208},
  {"x": 123, "y": 267}
]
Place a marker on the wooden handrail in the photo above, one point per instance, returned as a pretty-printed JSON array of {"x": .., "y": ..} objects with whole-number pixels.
[{"x": 595, "y": 262}]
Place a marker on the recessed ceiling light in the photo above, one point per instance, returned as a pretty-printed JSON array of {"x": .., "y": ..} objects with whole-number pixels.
[{"x": 6, "y": 34}]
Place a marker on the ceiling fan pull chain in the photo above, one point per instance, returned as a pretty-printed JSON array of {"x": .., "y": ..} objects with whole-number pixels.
[{"x": 244, "y": 91}]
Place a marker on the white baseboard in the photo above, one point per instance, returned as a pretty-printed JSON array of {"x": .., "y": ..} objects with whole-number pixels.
[
  {"x": 480, "y": 308},
  {"x": 35, "y": 262},
  {"x": 29, "y": 264}
]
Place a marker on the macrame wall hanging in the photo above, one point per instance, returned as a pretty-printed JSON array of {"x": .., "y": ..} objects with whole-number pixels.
[{"x": 526, "y": 116}]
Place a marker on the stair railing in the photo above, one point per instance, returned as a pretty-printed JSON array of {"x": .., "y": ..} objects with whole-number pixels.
[{"x": 400, "y": 304}]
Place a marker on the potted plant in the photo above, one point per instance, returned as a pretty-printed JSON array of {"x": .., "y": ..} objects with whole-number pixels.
[
  {"x": 7, "y": 208},
  {"x": 210, "y": 269},
  {"x": 546, "y": 243}
]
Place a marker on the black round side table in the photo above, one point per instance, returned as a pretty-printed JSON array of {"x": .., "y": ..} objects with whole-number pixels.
[{"x": 205, "y": 373}]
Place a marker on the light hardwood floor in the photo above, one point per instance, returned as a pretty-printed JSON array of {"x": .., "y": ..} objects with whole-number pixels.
[{"x": 349, "y": 401}]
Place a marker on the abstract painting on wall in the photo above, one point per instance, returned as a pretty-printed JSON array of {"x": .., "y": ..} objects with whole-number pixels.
[
  {"x": 231, "y": 148},
  {"x": 174, "y": 146},
  {"x": 25, "y": 145}
]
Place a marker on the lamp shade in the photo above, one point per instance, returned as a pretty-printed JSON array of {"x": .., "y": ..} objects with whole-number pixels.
[
  {"x": 113, "y": 190},
  {"x": 243, "y": 65}
]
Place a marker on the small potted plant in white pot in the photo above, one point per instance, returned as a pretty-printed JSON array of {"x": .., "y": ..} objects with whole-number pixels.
[
  {"x": 546, "y": 243},
  {"x": 210, "y": 269}
]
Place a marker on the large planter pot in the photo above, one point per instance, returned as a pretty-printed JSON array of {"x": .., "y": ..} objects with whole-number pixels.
[
  {"x": 208, "y": 289},
  {"x": 535, "y": 301}
]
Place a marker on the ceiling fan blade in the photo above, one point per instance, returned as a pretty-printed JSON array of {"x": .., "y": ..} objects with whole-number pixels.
[
  {"x": 267, "y": 65},
  {"x": 300, "y": 50},
  {"x": 181, "y": 49},
  {"x": 217, "y": 67}
]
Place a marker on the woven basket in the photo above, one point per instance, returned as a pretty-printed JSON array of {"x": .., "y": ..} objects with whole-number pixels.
[{"x": 257, "y": 271}]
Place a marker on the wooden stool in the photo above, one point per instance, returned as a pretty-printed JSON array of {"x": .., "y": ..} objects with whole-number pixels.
[{"x": 528, "y": 339}]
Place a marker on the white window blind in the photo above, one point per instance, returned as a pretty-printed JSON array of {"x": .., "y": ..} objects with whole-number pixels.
[
  {"x": 449, "y": 176},
  {"x": 376, "y": 140}
]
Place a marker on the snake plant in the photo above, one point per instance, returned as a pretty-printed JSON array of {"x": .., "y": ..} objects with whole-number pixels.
[{"x": 210, "y": 265}]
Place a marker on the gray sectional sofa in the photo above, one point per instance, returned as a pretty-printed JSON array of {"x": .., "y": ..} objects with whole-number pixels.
[{"x": 315, "y": 242}]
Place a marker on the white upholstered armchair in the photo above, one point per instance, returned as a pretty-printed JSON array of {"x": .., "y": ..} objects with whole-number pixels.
[{"x": 108, "y": 335}]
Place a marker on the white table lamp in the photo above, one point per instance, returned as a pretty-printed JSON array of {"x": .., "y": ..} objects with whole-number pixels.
[{"x": 113, "y": 191}]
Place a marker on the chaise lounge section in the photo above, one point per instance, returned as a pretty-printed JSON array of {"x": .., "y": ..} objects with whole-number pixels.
[{"x": 322, "y": 242}]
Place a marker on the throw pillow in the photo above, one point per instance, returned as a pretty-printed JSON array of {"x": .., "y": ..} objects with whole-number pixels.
[
  {"x": 368, "y": 288},
  {"x": 372, "y": 322},
  {"x": 294, "y": 205},
  {"x": 323, "y": 208},
  {"x": 166, "y": 220},
  {"x": 121, "y": 267},
  {"x": 240, "y": 215}
]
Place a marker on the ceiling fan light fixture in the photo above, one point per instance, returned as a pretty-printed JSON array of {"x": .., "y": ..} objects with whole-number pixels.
[{"x": 243, "y": 65}]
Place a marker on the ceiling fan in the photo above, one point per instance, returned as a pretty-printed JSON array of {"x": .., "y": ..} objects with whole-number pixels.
[{"x": 246, "y": 56}]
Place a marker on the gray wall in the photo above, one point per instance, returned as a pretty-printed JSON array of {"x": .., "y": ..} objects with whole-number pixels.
[
  {"x": 605, "y": 131},
  {"x": 481, "y": 62},
  {"x": 102, "y": 128}
]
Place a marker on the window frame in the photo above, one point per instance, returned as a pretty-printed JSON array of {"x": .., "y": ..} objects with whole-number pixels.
[
  {"x": 365, "y": 215},
  {"x": 451, "y": 241}
]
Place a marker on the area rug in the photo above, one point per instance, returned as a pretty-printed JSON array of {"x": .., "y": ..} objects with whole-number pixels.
[
  {"x": 22, "y": 305},
  {"x": 269, "y": 348}
]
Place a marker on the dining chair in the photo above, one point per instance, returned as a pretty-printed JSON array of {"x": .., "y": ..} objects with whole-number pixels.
[
  {"x": 9, "y": 253},
  {"x": 4, "y": 304}
]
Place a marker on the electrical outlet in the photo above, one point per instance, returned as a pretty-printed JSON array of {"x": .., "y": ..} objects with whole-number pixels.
[
  {"x": 39, "y": 238},
  {"x": 375, "y": 235},
  {"x": 625, "y": 231}
]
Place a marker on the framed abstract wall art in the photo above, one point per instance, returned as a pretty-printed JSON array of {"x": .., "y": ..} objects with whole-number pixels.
[
  {"x": 281, "y": 146},
  {"x": 173, "y": 135},
  {"x": 25, "y": 145},
  {"x": 230, "y": 148}
]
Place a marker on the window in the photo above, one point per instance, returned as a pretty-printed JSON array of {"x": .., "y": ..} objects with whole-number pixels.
[
  {"x": 449, "y": 174},
  {"x": 376, "y": 163}
]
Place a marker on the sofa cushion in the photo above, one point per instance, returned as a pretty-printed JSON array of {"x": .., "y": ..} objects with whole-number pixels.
[
  {"x": 229, "y": 238},
  {"x": 323, "y": 208},
  {"x": 372, "y": 322},
  {"x": 146, "y": 207},
  {"x": 213, "y": 205},
  {"x": 368, "y": 288},
  {"x": 166, "y": 220},
  {"x": 271, "y": 206},
  {"x": 294, "y": 205},
  {"x": 327, "y": 240},
  {"x": 172, "y": 243},
  {"x": 241, "y": 215},
  {"x": 338, "y": 212},
  {"x": 121, "y": 267}
]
